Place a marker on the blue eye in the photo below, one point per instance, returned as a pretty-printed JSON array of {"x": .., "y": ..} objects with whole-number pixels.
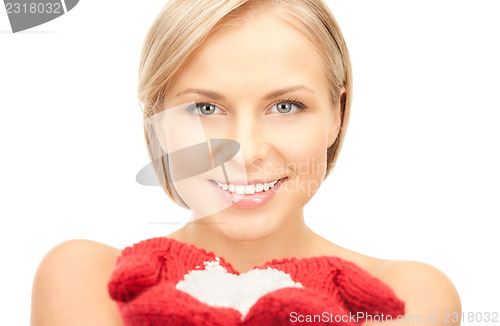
[
  {"x": 283, "y": 106},
  {"x": 288, "y": 106},
  {"x": 203, "y": 108}
]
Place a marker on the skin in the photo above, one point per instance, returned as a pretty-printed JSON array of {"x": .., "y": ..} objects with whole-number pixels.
[
  {"x": 271, "y": 146},
  {"x": 243, "y": 66}
]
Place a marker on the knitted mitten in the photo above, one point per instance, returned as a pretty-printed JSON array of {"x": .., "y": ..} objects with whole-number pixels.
[{"x": 145, "y": 283}]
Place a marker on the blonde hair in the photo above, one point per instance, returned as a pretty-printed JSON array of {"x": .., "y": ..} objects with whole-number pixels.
[{"x": 182, "y": 26}]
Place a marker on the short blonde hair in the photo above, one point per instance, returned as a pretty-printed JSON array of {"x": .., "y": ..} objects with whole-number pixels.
[{"x": 182, "y": 26}]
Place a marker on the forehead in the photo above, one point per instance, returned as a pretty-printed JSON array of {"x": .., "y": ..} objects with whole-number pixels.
[{"x": 256, "y": 55}]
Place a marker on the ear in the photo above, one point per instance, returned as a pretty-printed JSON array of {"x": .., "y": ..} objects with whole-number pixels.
[{"x": 335, "y": 120}]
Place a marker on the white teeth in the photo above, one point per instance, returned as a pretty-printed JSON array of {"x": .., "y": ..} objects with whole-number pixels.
[
  {"x": 250, "y": 190},
  {"x": 247, "y": 190}
]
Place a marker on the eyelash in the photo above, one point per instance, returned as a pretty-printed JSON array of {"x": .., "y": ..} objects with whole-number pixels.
[
  {"x": 293, "y": 100},
  {"x": 290, "y": 100}
]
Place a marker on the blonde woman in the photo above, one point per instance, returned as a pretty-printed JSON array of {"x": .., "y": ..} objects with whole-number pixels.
[{"x": 246, "y": 105}]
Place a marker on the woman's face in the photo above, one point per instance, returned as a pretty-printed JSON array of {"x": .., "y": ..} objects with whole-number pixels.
[{"x": 263, "y": 85}]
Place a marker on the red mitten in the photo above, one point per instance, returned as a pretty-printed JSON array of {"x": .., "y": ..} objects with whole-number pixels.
[
  {"x": 366, "y": 294},
  {"x": 290, "y": 306},
  {"x": 145, "y": 277}
]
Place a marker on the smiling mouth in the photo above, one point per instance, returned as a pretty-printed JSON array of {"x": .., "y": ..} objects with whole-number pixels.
[{"x": 247, "y": 189}]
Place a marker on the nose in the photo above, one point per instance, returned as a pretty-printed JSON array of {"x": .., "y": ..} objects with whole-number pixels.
[{"x": 251, "y": 132}]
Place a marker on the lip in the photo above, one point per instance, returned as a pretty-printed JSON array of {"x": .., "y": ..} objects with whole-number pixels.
[{"x": 253, "y": 201}]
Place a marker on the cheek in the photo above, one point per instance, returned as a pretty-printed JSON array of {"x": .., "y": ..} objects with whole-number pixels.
[
  {"x": 306, "y": 144},
  {"x": 175, "y": 129},
  {"x": 305, "y": 155}
]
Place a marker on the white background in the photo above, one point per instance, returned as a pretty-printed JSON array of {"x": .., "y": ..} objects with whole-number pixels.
[{"x": 417, "y": 179}]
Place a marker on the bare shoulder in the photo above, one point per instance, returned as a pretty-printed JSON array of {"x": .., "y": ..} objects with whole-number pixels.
[
  {"x": 429, "y": 295},
  {"x": 70, "y": 285}
]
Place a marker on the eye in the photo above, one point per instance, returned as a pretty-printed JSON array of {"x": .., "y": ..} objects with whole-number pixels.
[
  {"x": 203, "y": 108},
  {"x": 288, "y": 106}
]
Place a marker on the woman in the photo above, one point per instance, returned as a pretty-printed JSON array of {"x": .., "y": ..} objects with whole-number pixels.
[{"x": 272, "y": 78}]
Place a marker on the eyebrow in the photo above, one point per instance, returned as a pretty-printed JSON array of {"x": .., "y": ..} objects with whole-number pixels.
[{"x": 273, "y": 94}]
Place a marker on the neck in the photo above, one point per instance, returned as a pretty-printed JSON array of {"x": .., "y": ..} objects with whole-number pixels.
[{"x": 293, "y": 239}]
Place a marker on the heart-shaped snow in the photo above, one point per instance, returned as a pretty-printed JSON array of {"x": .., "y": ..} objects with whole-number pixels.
[{"x": 218, "y": 288}]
